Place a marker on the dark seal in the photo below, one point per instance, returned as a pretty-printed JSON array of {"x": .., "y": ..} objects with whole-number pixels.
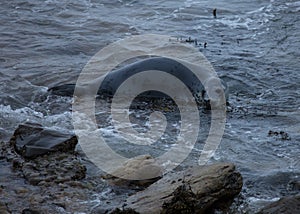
[{"x": 115, "y": 78}]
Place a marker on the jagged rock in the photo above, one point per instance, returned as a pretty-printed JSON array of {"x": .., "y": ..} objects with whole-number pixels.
[
  {"x": 286, "y": 205},
  {"x": 195, "y": 190},
  {"x": 31, "y": 140},
  {"x": 143, "y": 165}
]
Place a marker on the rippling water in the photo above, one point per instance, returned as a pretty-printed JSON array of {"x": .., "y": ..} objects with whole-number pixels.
[{"x": 253, "y": 45}]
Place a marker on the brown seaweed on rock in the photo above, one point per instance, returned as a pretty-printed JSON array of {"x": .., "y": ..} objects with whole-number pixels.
[{"x": 183, "y": 201}]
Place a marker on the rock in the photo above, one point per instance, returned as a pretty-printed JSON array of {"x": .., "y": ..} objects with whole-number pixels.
[
  {"x": 195, "y": 190},
  {"x": 63, "y": 90},
  {"x": 294, "y": 185},
  {"x": 30, "y": 211},
  {"x": 133, "y": 169},
  {"x": 31, "y": 140},
  {"x": 53, "y": 168},
  {"x": 3, "y": 208},
  {"x": 286, "y": 205}
]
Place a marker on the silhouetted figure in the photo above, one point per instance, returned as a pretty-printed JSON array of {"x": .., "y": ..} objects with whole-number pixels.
[
  {"x": 190, "y": 40},
  {"x": 215, "y": 13},
  {"x": 205, "y": 44}
]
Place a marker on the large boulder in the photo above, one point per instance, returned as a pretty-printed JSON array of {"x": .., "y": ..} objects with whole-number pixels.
[
  {"x": 31, "y": 140},
  {"x": 198, "y": 189},
  {"x": 286, "y": 205}
]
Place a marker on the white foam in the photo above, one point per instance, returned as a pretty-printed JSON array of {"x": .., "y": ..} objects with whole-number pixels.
[
  {"x": 11, "y": 118},
  {"x": 236, "y": 22}
]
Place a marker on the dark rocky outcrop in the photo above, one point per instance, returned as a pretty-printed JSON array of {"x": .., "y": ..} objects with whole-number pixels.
[
  {"x": 286, "y": 205},
  {"x": 196, "y": 190},
  {"x": 31, "y": 140}
]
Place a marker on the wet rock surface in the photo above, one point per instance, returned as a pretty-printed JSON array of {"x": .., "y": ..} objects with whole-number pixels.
[
  {"x": 196, "y": 190},
  {"x": 31, "y": 140},
  {"x": 286, "y": 205}
]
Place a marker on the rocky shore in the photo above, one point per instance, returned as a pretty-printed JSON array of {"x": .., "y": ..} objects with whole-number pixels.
[{"x": 43, "y": 173}]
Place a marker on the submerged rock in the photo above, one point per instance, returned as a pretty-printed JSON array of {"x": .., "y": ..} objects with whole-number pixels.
[
  {"x": 31, "y": 140},
  {"x": 286, "y": 205},
  {"x": 198, "y": 189}
]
